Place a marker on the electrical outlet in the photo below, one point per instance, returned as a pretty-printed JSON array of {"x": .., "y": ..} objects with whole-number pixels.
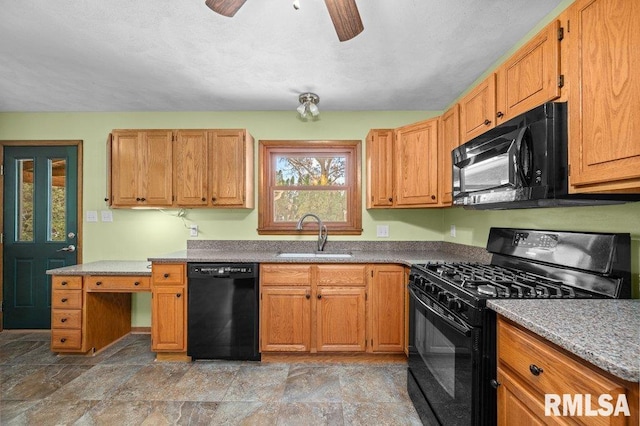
[
  {"x": 382, "y": 231},
  {"x": 193, "y": 230},
  {"x": 452, "y": 232}
]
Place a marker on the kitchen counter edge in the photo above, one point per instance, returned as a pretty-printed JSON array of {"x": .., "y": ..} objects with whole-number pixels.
[{"x": 603, "y": 332}]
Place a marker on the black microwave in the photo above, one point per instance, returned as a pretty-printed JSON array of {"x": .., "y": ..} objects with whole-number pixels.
[{"x": 522, "y": 163}]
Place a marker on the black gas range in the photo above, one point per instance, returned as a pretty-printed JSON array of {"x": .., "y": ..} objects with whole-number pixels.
[{"x": 452, "y": 365}]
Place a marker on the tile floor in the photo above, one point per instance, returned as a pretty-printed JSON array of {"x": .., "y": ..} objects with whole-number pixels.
[{"x": 123, "y": 385}]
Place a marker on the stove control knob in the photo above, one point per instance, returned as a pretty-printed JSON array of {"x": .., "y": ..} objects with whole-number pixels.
[
  {"x": 455, "y": 304},
  {"x": 444, "y": 297},
  {"x": 433, "y": 288}
]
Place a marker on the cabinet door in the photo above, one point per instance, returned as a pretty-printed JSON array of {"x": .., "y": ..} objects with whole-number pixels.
[
  {"x": 478, "y": 109},
  {"x": 190, "y": 167},
  {"x": 141, "y": 168},
  {"x": 416, "y": 164},
  {"x": 285, "y": 319},
  {"x": 449, "y": 140},
  {"x": 168, "y": 318},
  {"x": 380, "y": 168},
  {"x": 387, "y": 291},
  {"x": 340, "y": 319},
  {"x": 604, "y": 96},
  {"x": 228, "y": 168},
  {"x": 529, "y": 77},
  {"x": 125, "y": 168},
  {"x": 518, "y": 406},
  {"x": 157, "y": 168}
]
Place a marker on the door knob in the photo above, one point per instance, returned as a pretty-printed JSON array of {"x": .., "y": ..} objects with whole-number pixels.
[{"x": 70, "y": 248}]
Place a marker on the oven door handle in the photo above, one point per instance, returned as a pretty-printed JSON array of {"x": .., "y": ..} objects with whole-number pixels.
[{"x": 464, "y": 329}]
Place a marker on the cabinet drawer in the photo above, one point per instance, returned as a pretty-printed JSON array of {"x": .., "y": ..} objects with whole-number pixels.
[
  {"x": 546, "y": 369},
  {"x": 170, "y": 273},
  {"x": 285, "y": 274},
  {"x": 343, "y": 275},
  {"x": 66, "y": 318},
  {"x": 118, "y": 283},
  {"x": 67, "y": 299},
  {"x": 66, "y": 339},
  {"x": 66, "y": 282}
]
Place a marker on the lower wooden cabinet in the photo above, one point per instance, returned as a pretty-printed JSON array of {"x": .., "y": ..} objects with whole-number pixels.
[
  {"x": 90, "y": 312},
  {"x": 332, "y": 308},
  {"x": 386, "y": 308},
  {"x": 529, "y": 367},
  {"x": 169, "y": 308}
]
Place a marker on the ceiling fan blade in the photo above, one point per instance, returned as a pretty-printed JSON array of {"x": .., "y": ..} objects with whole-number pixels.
[
  {"x": 225, "y": 7},
  {"x": 345, "y": 17}
]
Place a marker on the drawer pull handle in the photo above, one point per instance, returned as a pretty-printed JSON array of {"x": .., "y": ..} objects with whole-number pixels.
[
  {"x": 136, "y": 283},
  {"x": 487, "y": 122},
  {"x": 166, "y": 275},
  {"x": 64, "y": 300},
  {"x": 98, "y": 282},
  {"x": 63, "y": 320},
  {"x": 535, "y": 370},
  {"x": 64, "y": 339},
  {"x": 494, "y": 383},
  {"x": 63, "y": 283}
]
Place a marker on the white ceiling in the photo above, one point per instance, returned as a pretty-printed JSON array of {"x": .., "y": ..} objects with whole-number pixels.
[{"x": 178, "y": 55}]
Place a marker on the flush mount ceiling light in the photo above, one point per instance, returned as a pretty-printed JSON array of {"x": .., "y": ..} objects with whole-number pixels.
[{"x": 308, "y": 105}]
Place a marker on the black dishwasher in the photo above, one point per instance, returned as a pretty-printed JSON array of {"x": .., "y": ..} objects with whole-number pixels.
[{"x": 222, "y": 318}]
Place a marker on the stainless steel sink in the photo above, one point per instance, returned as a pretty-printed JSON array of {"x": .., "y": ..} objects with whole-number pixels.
[{"x": 315, "y": 255}]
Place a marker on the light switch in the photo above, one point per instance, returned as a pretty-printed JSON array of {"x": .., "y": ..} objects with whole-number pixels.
[
  {"x": 92, "y": 216},
  {"x": 107, "y": 215},
  {"x": 382, "y": 231}
]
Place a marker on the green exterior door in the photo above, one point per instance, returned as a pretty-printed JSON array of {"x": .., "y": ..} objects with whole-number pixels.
[{"x": 40, "y": 229}]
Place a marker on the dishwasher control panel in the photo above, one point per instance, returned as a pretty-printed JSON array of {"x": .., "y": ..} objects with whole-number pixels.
[{"x": 222, "y": 270}]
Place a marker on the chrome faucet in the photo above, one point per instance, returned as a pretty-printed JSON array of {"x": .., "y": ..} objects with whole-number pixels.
[{"x": 323, "y": 233}]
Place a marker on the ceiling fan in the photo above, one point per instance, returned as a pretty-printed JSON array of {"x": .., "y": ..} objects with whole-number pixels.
[{"x": 344, "y": 14}]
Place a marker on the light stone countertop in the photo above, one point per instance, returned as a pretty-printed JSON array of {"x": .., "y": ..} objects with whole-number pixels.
[
  {"x": 605, "y": 333},
  {"x": 105, "y": 267}
]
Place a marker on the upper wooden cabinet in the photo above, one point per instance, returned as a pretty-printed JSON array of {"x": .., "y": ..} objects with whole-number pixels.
[
  {"x": 213, "y": 168},
  {"x": 604, "y": 95},
  {"x": 478, "y": 109},
  {"x": 416, "y": 164},
  {"x": 403, "y": 166},
  {"x": 182, "y": 168},
  {"x": 380, "y": 168},
  {"x": 449, "y": 140},
  {"x": 140, "y": 168},
  {"x": 531, "y": 76}
]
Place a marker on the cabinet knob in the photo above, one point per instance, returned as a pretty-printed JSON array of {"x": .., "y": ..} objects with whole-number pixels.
[
  {"x": 535, "y": 370},
  {"x": 63, "y": 283},
  {"x": 64, "y": 299},
  {"x": 213, "y": 199},
  {"x": 98, "y": 282},
  {"x": 136, "y": 283},
  {"x": 319, "y": 296},
  {"x": 487, "y": 122},
  {"x": 499, "y": 114},
  {"x": 166, "y": 275},
  {"x": 143, "y": 199},
  {"x": 308, "y": 296},
  {"x": 137, "y": 198},
  {"x": 63, "y": 320},
  {"x": 390, "y": 199},
  {"x": 63, "y": 340},
  {"x": 494, "y": 383},
  {"x": 179, "y": 295},
  {"x": 106, "y": 200},
  {"x": 433, "y": 197},
  {"x": 204, "y": 199}
]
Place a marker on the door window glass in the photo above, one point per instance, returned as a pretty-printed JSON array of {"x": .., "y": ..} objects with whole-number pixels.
[
  {"x": 24, "y": 208},
  {"x": 57, "y": 199}
]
